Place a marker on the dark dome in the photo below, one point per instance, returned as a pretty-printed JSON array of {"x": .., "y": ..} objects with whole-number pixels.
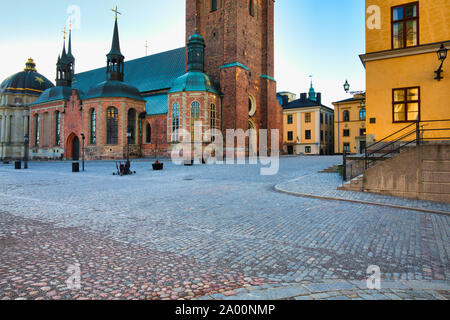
[
  {"x": 193, "y": 81},
  {"x": 28, "y": 82},
  {"x": 116, "y": 89},
  {"x": 54, "y": 94}
]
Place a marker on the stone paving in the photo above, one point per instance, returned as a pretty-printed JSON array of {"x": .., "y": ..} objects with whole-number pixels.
[{"x": 206, "y": 232}]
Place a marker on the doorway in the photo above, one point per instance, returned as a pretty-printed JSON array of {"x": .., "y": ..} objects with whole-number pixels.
[{"x": 73, "y": 148}]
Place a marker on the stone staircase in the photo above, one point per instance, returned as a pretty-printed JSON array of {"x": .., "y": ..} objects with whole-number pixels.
[
  {"x": 333, "y": 169},
  {"x": 356, "y": 184}
]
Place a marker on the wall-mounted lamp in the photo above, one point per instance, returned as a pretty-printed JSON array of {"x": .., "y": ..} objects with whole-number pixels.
[{"x": 442, "y": 55}]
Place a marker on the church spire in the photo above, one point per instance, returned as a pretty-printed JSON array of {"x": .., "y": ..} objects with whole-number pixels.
[
  {"x": 63, "y": 68},
  {"x": 312, "y": 93},
  {"x": 70, "y": 56},
  {"x": 115, "y": 61}
]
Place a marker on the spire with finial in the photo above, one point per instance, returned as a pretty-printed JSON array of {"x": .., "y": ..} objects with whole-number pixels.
[
  {"x": 70, "y": 56},
  {"x": 115, "y": 61},
  {"x": 312, "y": 92},
  {"x": 64, "y": 67},
  {"x": 30, "y": 65}
]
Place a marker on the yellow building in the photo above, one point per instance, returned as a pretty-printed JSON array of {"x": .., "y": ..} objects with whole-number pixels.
[
  {"x": 307, "y": 126},
  {"x": 402, "y": 41},
  {"x": 350, "y": 125}
]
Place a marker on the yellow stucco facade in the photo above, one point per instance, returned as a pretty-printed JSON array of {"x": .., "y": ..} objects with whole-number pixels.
[
  {"x": 350, "y": 125},
  {"x": 389, "y": 70}
]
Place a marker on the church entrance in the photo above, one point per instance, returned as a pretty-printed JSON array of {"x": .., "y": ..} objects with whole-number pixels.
[{"x": 73, "y": 148}]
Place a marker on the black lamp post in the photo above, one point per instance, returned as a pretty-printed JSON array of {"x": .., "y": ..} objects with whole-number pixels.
[
  {"x": 442, "y": 55},
  {"x": 346, "y": 86},
  {"x": 26, "y": 145},
  {"x": 128, "y": 145},
  {"x": 82, "y": 148}
]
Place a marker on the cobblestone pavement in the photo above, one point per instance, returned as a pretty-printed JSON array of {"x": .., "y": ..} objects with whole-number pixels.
[
  {"x": 326, "y": 187},
  {"x": 197, "y": 232}
]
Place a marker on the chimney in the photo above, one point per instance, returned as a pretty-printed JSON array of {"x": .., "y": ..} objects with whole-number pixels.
[
  {"x": 303, "y": 96},
  {"x": 319, "y": 98},
  {"x": 285, "y": 100}
]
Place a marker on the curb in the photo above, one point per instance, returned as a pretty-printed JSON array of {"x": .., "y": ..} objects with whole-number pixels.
[{"x": 279, "y": 189}]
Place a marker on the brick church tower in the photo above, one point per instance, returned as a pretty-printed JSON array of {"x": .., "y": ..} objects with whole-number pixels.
[{"x": 239, "y": 58}]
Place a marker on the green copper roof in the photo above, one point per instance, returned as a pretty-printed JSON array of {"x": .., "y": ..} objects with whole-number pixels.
[
  {"x": 151, "y": 73},
  {"x": 234, "y": 64},
  {"x": 117, "y": 89},
  {"x": 312, "y": 93},
  {"x": 54, "y": 94},
  {"x": 193, "y": 81},
  {"x": 156, "y": 104}
]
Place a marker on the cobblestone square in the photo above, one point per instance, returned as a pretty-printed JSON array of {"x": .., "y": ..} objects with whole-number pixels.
[{"x": 212, "y": 232}]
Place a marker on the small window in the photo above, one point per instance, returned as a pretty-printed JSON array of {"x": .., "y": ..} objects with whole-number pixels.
[
  {"x": 290, "y": 136},
  {"x": 307, "y": 150},
  {"x": 148, "y": 133},
  {"x": 213, "y": 5},
  {"x": 405, "y": 26},
  {"x": 362, "y": 132},
  {"x": 346, "y": 116},
  {"x": 321, "y": 118},
  {"x": 251, "y": 8},
  {"x": 308, "y": 117},
  {"x": 347, "y": 147},
  {"x": 346, "y": 133},
  {"x": 308, "y": 134},
  {"x": 290, "y": 119},
  {"x": 321, "y": 135},
  {"x": 406, "y": 104}
]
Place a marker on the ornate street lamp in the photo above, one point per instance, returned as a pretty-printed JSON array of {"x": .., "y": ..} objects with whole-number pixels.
[
  {"x": 82, "y": 148},
  {"x": 442, "y": 55},
  {"x": 346, "y": 86},
  {"x": 363, "y": 103}
]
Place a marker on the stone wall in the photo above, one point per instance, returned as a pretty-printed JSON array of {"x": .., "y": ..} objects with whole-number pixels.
[{"x": 420, "y": 173}]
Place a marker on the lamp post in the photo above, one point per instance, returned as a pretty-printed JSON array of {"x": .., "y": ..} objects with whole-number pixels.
[
  {"x": 26, "y": 145},
  {"x": 82, "y": 148},
  {"x": 442, "y": 55},
  {"x": 346, "y": 86},
  {"x": 128, "y": 145}
]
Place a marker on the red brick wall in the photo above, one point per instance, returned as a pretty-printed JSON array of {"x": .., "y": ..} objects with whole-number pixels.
[{"x": 159, "y": 142}]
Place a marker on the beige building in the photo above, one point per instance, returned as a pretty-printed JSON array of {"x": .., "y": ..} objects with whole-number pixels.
[
  {"x": 350, "y": 125},
  {"x": 16, "y": 94},
  {"x": 307, "y": 126}
]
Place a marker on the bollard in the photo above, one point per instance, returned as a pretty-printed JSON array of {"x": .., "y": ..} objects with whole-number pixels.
[{"x": 75, "y": 167}]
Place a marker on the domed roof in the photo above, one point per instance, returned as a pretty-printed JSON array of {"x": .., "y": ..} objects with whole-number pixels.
[
  {"x": 28, "y": 82},
  {"x": 115, "y": 89},
  {"x": 193, "y": 81},
  {"x": 196, "y": 37},
  {"x": 54, "y": 94}
]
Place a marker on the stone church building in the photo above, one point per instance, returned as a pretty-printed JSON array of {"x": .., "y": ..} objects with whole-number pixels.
[{"x": 222, "y": 79}]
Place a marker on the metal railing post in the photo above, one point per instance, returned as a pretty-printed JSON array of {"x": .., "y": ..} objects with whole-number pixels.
[
  {"x": 344, "y": 167},
  {"x": 418, "y": 133}
]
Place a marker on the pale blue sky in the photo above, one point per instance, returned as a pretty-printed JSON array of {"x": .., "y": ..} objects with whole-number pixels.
[{"x": 322, "y": 38}]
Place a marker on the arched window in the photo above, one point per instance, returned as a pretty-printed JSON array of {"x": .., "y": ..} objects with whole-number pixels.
[
  {"x": 93, "y": 127},
  {"x": 213, "y": 118},
  {"x": 175, "y": 121},
  {"x": 36, "y": 130},
  {"x": 148, "y": 133},
  {"x": 346, "y": 116},
  {"x": 251, "y": 7},
  {"x": 213, "y": 5},
  {"x": 132, "y": 126},
  {"x": 112, "y": 126},
  {"x": 57, "y": 128},
  {"x": 251, "y": 106},
  {"x": 195, "y": 117},
  {"x": 362, "y": 115}
]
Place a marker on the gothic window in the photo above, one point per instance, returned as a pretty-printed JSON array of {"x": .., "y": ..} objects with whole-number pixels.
[
  {"x": 57, "y": 128},
  {"x": 112, "y": 126},
  {"x": 195, "y": 117},
  {"x": 175, "y": 121},
  {"x": 36, "y": 130},
  {"x": 346, "y": 116},
  {"x": 93, "y": 126},
  {"x": 213, "y": 116},
  {"x": 132, "y": 126},
  {"x": 251, "y": 8},
  {"x": 148, "y": 133},
  {"x": 213, "y": 5}
]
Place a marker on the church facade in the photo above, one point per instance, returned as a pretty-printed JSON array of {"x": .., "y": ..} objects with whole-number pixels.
[{"x": 222, "y": 79}]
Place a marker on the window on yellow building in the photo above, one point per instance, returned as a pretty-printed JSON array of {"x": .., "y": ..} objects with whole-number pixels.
[
  {"x": 321, "y": 118},
  {"x": 362, "y": 115},
  {"x": 405, "y": 26},
  {"x": 346, "y": 116},
  {"x": 308, "y": 117},
  {"x": 307, "y": 149},
  {"x": 308, "y": 134},
  {"x": 290, "y": 119},
  {"x": 347, "y": 147},
  {"x": 290, "y": 136},
  {"x": 362, "y": 132},
  {"x": 346, "y": 133},
  {"x": 406, "y": 104}
]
